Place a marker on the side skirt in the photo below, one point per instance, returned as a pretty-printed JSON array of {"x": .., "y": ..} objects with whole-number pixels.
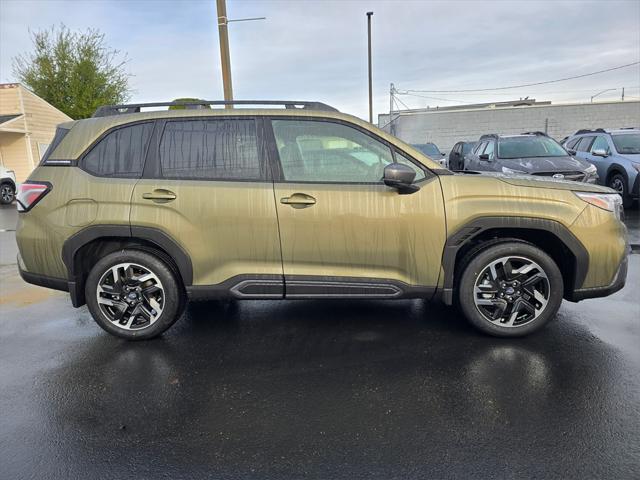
[{"x": 300, "y": 287}]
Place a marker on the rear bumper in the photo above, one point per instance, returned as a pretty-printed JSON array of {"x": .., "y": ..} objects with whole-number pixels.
[
  {"x": 618, "y": 283},
  {"x": 74, "y": 288}
]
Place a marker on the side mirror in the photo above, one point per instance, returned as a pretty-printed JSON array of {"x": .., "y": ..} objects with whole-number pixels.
[
  {"x": 600, "y": 152},
  {"x": 571, "y": 152},
  {"x": 400, "y": 177},
  {"x": 484, "y": 156}
]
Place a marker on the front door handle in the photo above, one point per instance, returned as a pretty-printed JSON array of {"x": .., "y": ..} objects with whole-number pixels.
[
  {"x": 160, "y": 195},
  {"x": 299, "y": 200}
]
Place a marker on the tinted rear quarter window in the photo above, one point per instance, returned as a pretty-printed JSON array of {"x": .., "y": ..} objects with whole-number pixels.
[
  {"x": 57, "y": 138},
  {"x": 213, "y": 149},
  {"x": 120, "y": 153}
]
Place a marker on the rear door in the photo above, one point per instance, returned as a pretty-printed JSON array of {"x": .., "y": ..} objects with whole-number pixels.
[
  {"x": 344, "y": 233},
  {"x": 207, "y": 185}
]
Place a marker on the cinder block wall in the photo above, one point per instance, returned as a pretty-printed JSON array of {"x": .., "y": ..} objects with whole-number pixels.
[{"x": 445, "y": 128}]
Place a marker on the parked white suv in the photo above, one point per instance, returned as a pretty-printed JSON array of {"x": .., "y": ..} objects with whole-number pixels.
[{"x": 7, "y": 185}]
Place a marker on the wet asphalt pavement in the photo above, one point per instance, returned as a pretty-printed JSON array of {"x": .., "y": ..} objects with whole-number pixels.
[{"x": 316, "y": 389}]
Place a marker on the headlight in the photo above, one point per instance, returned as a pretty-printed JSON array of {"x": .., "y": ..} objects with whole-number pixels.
[
  {"x": 606, "y": 201},
  {"x": 636, "y": 166},
  {"x": 591, "y": 170},
  {"x": 510, "y": 171}
]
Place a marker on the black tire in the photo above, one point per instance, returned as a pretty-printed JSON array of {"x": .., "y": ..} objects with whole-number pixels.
[
  {"x": 477, "y": 265},
  {"x": 618, "y": 182},
  {"x": 173, "y": 296},
  {"x": 7, "y": 193}
]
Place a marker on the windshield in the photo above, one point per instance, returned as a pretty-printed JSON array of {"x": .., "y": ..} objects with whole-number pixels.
[
  {"x": 428, "y": 149},
  {"x": 529, "y": 146},
  {"x": 627, "y": 143}
]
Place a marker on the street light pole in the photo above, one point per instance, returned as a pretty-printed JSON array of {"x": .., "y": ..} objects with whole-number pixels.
[
  {"x": 225, "y": 58},
  {"x": 369, "y": 15},
  {"x": 600, "y": 93}
]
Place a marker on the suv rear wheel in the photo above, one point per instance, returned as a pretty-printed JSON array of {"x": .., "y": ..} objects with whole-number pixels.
[
  {"x": 510, "y": 289},
  {"x": 7, "y": 193},
  {"x": 133, "y": 294}
]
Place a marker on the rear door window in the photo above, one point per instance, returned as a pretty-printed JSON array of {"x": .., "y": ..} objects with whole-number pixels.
[
  {"x": 211, "y": 149},
  {"x": 120, "y": 153}
]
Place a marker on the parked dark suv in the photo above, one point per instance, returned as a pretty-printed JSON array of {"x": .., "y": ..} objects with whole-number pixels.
[
  {"x": 531, "y": 153},
  {"x": 457, "y": 154}
]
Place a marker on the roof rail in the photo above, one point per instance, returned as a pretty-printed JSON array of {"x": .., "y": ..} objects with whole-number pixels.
[
  {"x": 108, "y": 110},
  {"x": 535, "y": 133},
  {"x": 587, "y": 130}
]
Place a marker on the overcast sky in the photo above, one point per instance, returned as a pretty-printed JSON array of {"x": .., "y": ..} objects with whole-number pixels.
[{"x": 316, "y": 50}]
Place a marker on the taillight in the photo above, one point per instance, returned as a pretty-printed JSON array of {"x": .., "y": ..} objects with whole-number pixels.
[{"x": 29, "y": 193}]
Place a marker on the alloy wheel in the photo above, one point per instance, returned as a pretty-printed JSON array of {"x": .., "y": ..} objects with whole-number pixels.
[
  {"x": 6, "y": 192},
  {"x": 511, "y": 291},
  {"x": 617, "y": 184},
  {"x": 130, "y": 296}
]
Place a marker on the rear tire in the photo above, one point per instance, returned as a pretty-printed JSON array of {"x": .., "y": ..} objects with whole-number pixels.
[
  {"x": 510, "y": 289},
  {"x": 7, "y": 193},
  {"x": 134, "y": 295}
]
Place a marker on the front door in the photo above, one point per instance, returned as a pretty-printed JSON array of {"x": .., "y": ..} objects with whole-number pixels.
[
  {"x": 207, "y": 185},
  {"x": 343, "y": 232}
]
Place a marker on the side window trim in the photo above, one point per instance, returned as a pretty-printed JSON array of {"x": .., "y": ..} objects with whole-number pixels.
[
  {"x": 274, "y": 155},
  {"x": 105, "y": 134},
  {"x": 153, "y": 167}
]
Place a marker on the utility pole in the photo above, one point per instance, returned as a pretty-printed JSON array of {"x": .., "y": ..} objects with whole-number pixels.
[
  {"x": 623, "y": 94},
  {"x": 225, "y": 58},
  {"x": 369, "y": 15}
]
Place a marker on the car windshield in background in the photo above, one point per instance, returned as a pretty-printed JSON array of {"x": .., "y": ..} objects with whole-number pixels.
[
  {"x": 528, "y": 147},
  {"x": 429, "y": 149},
  {"x": 627, "y": 143}
]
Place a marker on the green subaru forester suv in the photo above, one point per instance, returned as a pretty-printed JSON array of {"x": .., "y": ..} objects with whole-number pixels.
[{"x": 133, "y": 212}]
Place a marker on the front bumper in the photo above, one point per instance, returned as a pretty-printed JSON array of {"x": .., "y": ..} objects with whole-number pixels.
[{"x": 618, "y": 283}]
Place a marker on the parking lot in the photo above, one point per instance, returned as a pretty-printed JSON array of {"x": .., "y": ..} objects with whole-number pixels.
[{"x": 317, "y": 389}]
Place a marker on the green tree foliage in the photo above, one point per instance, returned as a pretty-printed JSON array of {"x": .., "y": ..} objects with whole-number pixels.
[
  {"x": 181, "y": 107},
  {"x": 75, "y": 72}
]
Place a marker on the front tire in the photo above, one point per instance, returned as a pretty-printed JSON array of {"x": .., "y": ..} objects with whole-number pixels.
[
  {"x": 619, "y": 184},
  {"x": 510, "y": 289},
  {"x": 133, "y": 294},
  {"x": 7, "y": 193}
]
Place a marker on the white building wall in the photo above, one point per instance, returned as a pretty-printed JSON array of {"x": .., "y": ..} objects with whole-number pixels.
[{"x": 446, "y": 127}]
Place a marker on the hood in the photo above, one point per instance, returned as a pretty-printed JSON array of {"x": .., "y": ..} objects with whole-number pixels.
[
  {"x": 546, "y": 182},
  {"x": 544, "y": 164}
]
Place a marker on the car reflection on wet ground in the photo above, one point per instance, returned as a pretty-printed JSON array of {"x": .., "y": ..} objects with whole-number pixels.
[{"x": 318, "y": 389}]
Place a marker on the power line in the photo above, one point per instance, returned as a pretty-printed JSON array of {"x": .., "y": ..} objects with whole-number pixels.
[
  {"x": 400, "y": 92},
  {"x": 528, "y": 84}
]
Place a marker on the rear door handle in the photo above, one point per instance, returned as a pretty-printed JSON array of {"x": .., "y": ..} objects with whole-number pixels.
[
  {"x": 160, "y": 195},
  {"x": 299, "y": 200}
]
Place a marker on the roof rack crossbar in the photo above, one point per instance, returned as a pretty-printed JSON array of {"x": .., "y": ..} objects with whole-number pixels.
[
  {"x": 108, "y": 110},
  {"x": 587, "y": 130}
]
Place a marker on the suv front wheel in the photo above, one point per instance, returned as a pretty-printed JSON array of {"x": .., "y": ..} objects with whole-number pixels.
[
  {"x": 7, "y": 193},
  {"x": 133, "y": 294},
  {"x": 510, "y": 289}
]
